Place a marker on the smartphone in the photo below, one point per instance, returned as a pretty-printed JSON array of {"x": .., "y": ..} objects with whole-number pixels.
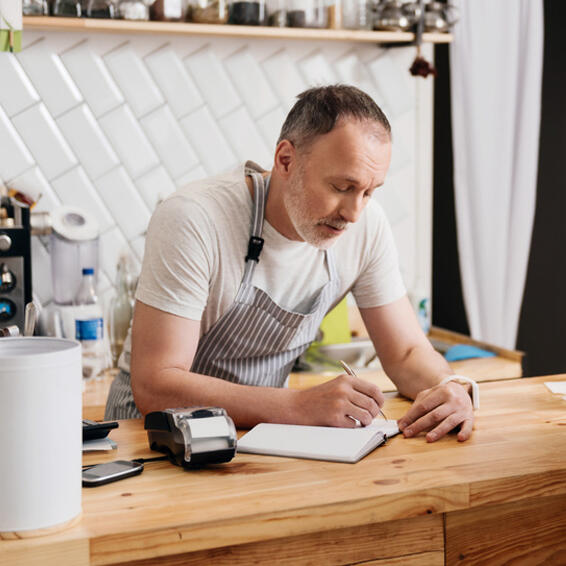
[{"x": 101, "y": 474}]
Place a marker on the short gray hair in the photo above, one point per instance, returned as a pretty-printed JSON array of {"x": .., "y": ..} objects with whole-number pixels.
[{"x": 318, "y": 110}]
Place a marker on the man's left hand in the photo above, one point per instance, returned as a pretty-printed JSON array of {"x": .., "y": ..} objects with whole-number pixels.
[{"x": 439, "y": 410}]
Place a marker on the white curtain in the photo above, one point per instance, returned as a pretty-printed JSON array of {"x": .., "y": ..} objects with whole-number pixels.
[{"x": 496, "y": 74}]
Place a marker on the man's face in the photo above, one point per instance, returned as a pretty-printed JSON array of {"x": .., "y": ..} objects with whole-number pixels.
[{"x": 333, "y": 180}]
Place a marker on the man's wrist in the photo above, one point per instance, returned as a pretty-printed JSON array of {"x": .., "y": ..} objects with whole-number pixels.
[{"x": 469, "y": 384}]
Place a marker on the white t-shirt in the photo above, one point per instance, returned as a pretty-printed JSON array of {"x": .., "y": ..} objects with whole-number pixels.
[{"x": 197, "y": 242}]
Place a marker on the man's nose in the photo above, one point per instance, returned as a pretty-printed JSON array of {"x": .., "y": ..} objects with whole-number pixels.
[{"x": 351, "y": 207}]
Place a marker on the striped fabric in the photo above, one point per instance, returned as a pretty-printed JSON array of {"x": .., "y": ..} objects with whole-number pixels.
[{"x": 256, "y": 342}]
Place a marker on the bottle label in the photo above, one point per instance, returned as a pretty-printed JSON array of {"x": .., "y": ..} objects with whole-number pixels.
[{"x": 90, "y": 329}]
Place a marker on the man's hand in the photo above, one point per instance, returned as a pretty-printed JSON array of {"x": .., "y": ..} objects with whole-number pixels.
[
  {"x": 338, "y": 402},
  {"x": 439, "y": 410}
]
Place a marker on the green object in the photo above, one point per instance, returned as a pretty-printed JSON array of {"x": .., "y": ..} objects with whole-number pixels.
[
  {"x": 16, "y": 43},
  {"x": 335, "y": 326}
]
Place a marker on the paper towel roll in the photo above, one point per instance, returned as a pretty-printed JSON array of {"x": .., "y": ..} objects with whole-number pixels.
[{"x": 40, "y": 432}]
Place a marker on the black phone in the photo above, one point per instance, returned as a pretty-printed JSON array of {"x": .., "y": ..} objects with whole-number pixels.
[
  {"x": 92, "y": 429},
  {"x": 101, "y": 474}
]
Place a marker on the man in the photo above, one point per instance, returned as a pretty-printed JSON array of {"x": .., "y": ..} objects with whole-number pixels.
[{"x": 240, "y": 269}]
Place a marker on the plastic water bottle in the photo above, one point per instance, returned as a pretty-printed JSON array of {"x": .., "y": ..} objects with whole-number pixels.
[{"x": 89, "y": 326}]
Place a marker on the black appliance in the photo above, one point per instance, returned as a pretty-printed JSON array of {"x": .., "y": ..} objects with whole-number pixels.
[{"x": 15, "y": 262}]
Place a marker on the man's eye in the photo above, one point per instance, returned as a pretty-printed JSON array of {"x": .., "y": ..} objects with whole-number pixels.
[{"x": 340, "y": 189}]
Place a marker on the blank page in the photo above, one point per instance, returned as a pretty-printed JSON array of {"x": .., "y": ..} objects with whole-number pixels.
[{"x": 317, "y": 442}]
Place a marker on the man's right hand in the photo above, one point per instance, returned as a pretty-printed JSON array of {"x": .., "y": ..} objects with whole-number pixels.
[{"x": 338, "y": 402}]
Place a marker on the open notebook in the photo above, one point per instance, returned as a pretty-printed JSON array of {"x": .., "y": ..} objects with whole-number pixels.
[{"x": 317, "y": 442}]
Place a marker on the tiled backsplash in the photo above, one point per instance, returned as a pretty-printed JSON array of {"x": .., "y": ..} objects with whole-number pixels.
[{"x": 113, "y": 123}]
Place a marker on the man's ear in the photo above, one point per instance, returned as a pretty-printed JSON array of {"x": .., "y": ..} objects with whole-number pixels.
[{"x": 285, "y": 155}]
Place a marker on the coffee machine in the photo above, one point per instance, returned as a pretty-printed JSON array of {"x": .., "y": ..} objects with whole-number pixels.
[{"x": 15, "y": 262}]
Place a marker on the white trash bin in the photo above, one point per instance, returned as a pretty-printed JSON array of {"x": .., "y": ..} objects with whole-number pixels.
[{"x": 40, "y": 433}]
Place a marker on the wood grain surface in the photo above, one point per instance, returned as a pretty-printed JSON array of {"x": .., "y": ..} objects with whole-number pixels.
[{"x": 516, "y": 455}]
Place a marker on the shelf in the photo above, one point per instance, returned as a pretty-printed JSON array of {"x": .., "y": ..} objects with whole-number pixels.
[{"x": 181, "y": 28}]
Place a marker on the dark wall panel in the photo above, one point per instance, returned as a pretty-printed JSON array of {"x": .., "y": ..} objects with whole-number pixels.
[
  {"x": 542, "y": 330},
  {"x": 447, "y": 302}
]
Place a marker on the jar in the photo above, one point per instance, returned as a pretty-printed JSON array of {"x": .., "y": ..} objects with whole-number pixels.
[
  {"x": 357, "y": 14},
  {"x": 134, "y": 9},
  {"x": 67, "y": 8},
  {"x": 35, "y": 8},
  {"x": 100, "y": 9},
  {"x": 169, "y": 10},
  {"x": 246, "y": 13},
  {"x": 308, "y": 13},
  {"x": 208, "y": 11},
  {"x": 277, "y": 13}
]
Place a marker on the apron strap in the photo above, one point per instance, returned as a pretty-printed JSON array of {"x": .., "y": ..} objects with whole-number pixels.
[{"x": 255, "y": 243}]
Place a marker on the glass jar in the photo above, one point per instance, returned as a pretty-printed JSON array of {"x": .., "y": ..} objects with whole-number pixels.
[
  {"x": 308, "y": 13},
  {"x": 67, "y": 8},
  {"x": 35, "y": 8},
  {"x": 357, "y": 14},
  {"x": 169, "y": 10},
  {"x": 208, "y": 11},
  {"x": 277, "y": 13},
  {"x": 100, "y": 9},
  {"x": 246, "y": 13},
  {"x": 134, "y": 9}
]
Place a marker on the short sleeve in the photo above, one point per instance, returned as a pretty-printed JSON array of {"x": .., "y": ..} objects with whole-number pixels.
[
  {"x": 177, "y": 261},
  {"x": 380, "y": 281}
]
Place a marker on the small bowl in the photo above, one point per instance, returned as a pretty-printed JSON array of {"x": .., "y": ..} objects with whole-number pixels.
[{"x": 356, "y": 353}]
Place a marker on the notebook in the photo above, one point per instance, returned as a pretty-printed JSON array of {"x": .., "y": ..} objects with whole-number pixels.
[{"x": 317, "y": 442}]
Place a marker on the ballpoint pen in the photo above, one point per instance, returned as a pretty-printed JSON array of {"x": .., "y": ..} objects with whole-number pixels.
[{"x": 351, "y": 372}]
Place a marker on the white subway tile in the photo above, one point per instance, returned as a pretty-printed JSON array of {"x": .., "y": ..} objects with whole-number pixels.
[
  {"x": 213, "y": 81},
  {"x": 251, "y": 83},
  {"x": 400, "y": 156},
  {"x": 317, "y": 70},
  {"x": 129, "y": 141},
  {"x": 83, "y": 133},
  {"x": 285, "y": 78},
  {"x": 43, "y": 138},
  {"x": 194, "y": 175},
  {"x": 41, "y": 271},
  {"x": 134, "y": 80},
  {"x": 352, "y": 71},
  {"x": 392, "y": 82},
  {"x": 21, "y": 94},
  {"x": 169, "y": 141},
  {"x": 244, "y": 138},
  {"x": 172, "y": 78},
  {"x": 34, "y": 184},
  {"x": 112, "y": 244},
  {"x": 209, "y": 142},
  {"x": 92, "y": 78},
  {"x": 15, "y": 157},
  {"x": 122, "y": 198},
  {"x": 138, "y": 245},
  {"x": 49, "y": 76},
  {"x": 155, "y": 186},
  {"x": 74, "y": 188},
  {"x": 270, "y": 127}
]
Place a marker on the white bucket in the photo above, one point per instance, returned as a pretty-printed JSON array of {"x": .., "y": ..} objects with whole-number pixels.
[{"x": 40, "y": 432}]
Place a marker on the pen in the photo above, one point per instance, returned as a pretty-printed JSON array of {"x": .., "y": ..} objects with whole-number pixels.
[{"x": 351, "y": 372}]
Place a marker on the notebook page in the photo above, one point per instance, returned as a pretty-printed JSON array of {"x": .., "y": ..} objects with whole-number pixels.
[{"x": 316, "y": 442}]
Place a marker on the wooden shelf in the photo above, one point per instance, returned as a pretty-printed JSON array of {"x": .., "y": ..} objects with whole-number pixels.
[{"x": 181, "y": 28}]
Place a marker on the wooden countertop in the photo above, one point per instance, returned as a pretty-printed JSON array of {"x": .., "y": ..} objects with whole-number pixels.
[{"x": 516, "y": 455}]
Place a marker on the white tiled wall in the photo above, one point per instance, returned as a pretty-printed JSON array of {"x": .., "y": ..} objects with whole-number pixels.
[{"x": 113, "y": 123}]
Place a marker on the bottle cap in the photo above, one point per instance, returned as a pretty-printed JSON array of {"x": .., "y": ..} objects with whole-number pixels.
[{"x": 88, "y": 271}]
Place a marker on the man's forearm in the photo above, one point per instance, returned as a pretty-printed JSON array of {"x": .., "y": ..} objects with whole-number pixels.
[
  {"x": 246, "y": 405},
  {"x": 421, "y": 368}
]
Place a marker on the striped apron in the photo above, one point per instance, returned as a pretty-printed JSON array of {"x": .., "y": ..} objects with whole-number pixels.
[{"x": 256, "y": 342}]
